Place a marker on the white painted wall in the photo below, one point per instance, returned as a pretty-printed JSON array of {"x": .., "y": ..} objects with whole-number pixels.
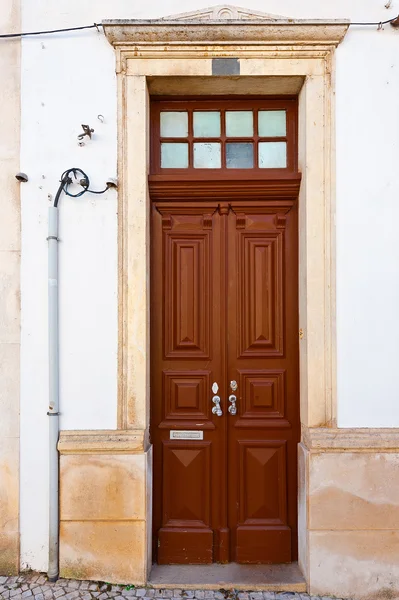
[
  {"x": 367, "y": 238},
  {"x": 69, "y": 79},
  {"x": 10, "y": 310}
]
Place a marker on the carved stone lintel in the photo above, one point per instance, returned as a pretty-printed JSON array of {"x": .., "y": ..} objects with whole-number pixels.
[
  {"x": 222, "y": 12},
  {"x": 224, "y": 24}
]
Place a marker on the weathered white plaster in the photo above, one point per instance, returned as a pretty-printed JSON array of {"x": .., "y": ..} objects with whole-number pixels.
[
  {"x": 67, "y": 80},
  {"x": 367, "y": 244},
  {"x": 10, "y": 245}
]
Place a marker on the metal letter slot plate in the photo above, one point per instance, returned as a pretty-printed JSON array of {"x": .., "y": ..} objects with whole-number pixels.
[{"x": 186, "y": 435}]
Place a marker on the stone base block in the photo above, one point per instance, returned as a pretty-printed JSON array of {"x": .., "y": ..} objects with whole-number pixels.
[
  {"x": 105, "y": 507},
  {"x": 9, "y": 496},
  {"x": 9, "y": 552},
  {"x": 349, "y": 532},
  {"x": 354, "y": 564},
  {"x": 112, "y": 551}
]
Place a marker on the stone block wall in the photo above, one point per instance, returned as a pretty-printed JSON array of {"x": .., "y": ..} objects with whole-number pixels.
[
  {"x": 349, "y": 521},
  {"x": 105, "y": 510}
]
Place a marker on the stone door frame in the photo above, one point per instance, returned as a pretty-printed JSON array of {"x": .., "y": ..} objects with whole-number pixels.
[{"x": 168, "y": 56}]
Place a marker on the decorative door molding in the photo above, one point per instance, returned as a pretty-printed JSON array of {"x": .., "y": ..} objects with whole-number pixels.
[
  {"x": 223, "y": 24},
  {"x": 274, "y": 55}
]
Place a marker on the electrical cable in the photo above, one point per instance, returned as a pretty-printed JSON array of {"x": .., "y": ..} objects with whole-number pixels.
[
  {"x": 66, "y": 180},
  {"x": 97, "y": 25},
  {"x": 15, "y": 35},
  {"x": 379, "y": 24}
]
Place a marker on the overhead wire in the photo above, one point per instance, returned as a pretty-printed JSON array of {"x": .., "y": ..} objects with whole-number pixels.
[
  {"x": 378, "y": 23},
  {"x": 97, "y": 25},
  {"x": 15, "y": 35}
]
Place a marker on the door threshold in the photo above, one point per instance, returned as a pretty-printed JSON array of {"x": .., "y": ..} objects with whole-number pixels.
[{"x": 273, "y": 578}]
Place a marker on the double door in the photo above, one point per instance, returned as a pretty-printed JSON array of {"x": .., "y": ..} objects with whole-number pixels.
[{"x": 224, "y": 381}]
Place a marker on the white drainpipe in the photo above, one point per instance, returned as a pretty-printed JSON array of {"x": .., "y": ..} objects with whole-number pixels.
[
  {"x": 53, "y": 566},
  {"x": 53, "y": 411}
]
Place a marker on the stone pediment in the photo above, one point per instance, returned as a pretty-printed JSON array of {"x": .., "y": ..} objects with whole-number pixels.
[
  {"x": 225, "y": 24},
  {"x": 224, "y": 12}
]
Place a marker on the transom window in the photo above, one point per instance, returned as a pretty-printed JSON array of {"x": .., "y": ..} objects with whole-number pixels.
[{"x": 231, "y": 135}]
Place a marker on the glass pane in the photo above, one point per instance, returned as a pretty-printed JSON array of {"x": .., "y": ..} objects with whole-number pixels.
[
  {"x": 239, "y": 155},
  {"x": 207, "y": 124},
  {"x": 207, "y": 155},
  {"x": 239, "y": 123},
  {"x": 174, "y": 124},
  {"x": 272, "y": 155},
  {"x": 174, "y": 156},
  {"x": 272, "y": 123}
]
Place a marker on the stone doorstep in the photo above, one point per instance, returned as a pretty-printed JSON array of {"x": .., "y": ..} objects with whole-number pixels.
[
  {"x": 196, "y": 579},
  {"x": 282, "y": 587},
  {"x": 268, "y": 578}
]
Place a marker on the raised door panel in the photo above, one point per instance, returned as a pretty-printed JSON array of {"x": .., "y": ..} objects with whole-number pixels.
[
  {"x": 186, "y": 395},
  {"x": 186, "y": 535},
  {"x": 186, "y": 492},
  {"x": 260, "y": 261},
  {"x": 262, "y": 482},
  {"x": 262, "y": 531},
  {"x": 267, "y": 545},
  {"x": 262, "y": 398},
  {"x": 187, "y": 293}
]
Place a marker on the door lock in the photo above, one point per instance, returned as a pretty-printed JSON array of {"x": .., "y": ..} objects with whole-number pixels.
[
  {"x": 233, "y": 407},
  {"x": 233, "y": 398},
  {"x": 216, "y": 410}
]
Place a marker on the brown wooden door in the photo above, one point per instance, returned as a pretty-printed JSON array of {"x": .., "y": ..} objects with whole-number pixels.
[
  {"x": 262, "y": 342},
  {"x": 224, "y": 309}
]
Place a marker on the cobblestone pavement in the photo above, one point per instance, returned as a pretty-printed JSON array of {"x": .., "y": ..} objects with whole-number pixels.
[{"x": 34, "y": 586}]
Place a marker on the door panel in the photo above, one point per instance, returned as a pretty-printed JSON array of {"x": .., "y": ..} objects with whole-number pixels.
[
  {"x": 186, "y": 535},
  {"x": 259, "y": 285},
  {"x": 186, "y": 396},
  {"x": 224, "y": 308},
  {"x": 187, "y": 291},
  {"x": 266, "y": 545},
  {"x": 186, "y": 496},
  {"x": 260, "y": 463},
  {"x": 262, "y": 533},
  {"x": 188, "y": 299},
  {"x": 263, "y": 396},
  {"x": 263, "y": 360}
]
